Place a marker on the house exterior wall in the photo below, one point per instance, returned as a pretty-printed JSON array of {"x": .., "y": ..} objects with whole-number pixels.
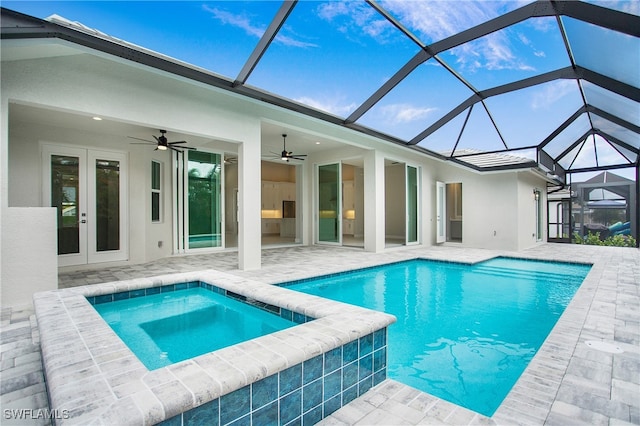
[
  {"x": 527, "y": 183},
  {"x": 497, "y": 208},
  {"x": 28, "y": 240},
  {"x": 125, "y": 92},
  {"x": 89, "y": 86}
]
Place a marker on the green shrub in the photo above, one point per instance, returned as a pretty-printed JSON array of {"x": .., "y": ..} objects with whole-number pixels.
[{"x": 593, "y": 239}]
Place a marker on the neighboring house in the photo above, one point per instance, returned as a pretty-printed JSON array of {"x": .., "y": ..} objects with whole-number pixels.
[{"x": 121, "y": 202}]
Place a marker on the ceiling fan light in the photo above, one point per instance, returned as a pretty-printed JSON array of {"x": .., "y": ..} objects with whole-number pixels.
[{"x": 162, "y": 147}]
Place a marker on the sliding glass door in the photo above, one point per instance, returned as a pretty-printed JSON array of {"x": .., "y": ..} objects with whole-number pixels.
[
  {"x": 204, "y": 200},
  {"x": 329, "y": 203},
  {"x": 412, "y": 205}
]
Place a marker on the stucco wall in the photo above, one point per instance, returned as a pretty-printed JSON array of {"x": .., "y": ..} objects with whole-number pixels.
[
  {"x": 94, "y": 86},
  {"x": 527, "y": 183},
  {"x": 29, "y": 254},
  {"x": 497, "y": 207},
  {"x": 129, "y": 93}
]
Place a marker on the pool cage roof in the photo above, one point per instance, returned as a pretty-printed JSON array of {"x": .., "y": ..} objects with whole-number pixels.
[{"x": 551, "y": 84}]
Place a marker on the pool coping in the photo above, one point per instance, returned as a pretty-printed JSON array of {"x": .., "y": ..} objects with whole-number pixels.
[{"x": 94, "y": 378}]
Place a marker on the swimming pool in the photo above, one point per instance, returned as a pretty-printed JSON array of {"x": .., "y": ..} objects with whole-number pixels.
[
  {"x": 464, "y": 333},
  {"x": 168, "y": 327}
]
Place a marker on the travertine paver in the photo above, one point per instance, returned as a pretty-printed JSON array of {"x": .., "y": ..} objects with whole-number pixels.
[{"x": 568, "y": 382}]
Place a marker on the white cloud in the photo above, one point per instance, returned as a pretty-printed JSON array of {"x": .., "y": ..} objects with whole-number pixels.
[
  {"x": 335, "y": 106},
  {"x": 434, "y": 21},
  {"x": 244, "y": 22},
  {"x": 551, "y": 93},
  {"x": 238, "y": 21},
  {"x": 354, "y": 18},
  {"x": 405, "y": 113}
]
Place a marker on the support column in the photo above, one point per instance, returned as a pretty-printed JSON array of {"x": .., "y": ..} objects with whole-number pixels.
[
  {"x": 249, "y": 201},
  {"x": 374, "y": 214}
]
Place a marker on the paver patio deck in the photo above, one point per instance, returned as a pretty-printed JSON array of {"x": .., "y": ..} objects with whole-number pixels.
[{"x": 567, "y": 382}]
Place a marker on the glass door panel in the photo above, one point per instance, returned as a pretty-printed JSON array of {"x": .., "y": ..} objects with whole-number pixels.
[
  {"x": 204, "y": 193},
  {"x": 329, "y": 200},
  {"x": 107, "y": 174},
  {"x": 412, "y": 205},
  {"x": 107, "y": 206},
  {"x": 65, "y": 196}
]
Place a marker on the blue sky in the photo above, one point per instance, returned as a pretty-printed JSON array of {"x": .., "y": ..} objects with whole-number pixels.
[{"x": 334, "y": 55}]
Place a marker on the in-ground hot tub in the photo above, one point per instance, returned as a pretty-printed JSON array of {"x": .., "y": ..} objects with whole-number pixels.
[
  {"x": 173, "y": 323},
  {"x": 303, "y": 373}
]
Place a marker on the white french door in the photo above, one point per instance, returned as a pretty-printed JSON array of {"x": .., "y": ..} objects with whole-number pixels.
[
  {"x": 441, "y": 229},
  {"x": 89, "y": 189}
]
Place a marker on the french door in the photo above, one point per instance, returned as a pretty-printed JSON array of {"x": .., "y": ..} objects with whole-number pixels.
[{"x": 89, "y": 189}]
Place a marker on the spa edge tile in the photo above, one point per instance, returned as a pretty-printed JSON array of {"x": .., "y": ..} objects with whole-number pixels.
[
  {"x": 206, "y": 414},
  {"x": 174, "y": 396},
  {"x": 149, "y": 405},
  {"x": 272, "y": 361},
  {"x": 235, "y": 405},
  {"x": 266, "y": 415},
  {"x": 291, "y": 406},
  {"x": 264, "y": 391},
  {"x": 312, "y": 394},
  {"x": 290, "y": 379},
  {"x": 228, "y": 376}
]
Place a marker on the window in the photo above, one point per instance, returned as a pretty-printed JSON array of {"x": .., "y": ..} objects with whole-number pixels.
[{"x": 156, "y": 191}]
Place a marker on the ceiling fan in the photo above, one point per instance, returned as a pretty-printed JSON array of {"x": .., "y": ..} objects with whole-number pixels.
[
  {"x": 287, "y": 155},
  {"x": 162, "y": 143}
]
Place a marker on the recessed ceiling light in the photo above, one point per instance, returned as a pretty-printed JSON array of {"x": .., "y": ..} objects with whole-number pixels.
[
  {"x": 97, "y": 118},
  {"x": 317, "y": 143}
]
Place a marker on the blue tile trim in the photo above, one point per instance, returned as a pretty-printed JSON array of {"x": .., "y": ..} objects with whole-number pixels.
[
  {"x": 303, "y": 394},
  {"x": 287, "y": 314}
]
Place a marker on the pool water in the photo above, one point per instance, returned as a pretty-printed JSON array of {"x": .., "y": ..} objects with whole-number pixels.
[
  {"x": 465, "y": 333},
  {"x": 165, "y": 328}
]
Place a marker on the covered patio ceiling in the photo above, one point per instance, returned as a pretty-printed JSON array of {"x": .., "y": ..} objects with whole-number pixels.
[{"x": 491, "y": 85}]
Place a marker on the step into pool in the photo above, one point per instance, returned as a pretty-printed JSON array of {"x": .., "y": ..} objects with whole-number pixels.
[
  {"x": 465, "y": 333},
  {"x": 166, "y": 328}
]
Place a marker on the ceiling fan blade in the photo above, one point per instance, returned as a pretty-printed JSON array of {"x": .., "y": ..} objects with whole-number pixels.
[
  {"x": 296, "y": 158},
  {"x": 140, "y": 139},
  {"x": 297, "y": 155},
  {"x": 156, "y": 138},
  {"x": 143, "y": 143},
  {"x": 172, "y": 143}
]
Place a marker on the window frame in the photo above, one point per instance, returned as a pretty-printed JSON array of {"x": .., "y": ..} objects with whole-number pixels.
[{"x": 158, "y": 191}]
